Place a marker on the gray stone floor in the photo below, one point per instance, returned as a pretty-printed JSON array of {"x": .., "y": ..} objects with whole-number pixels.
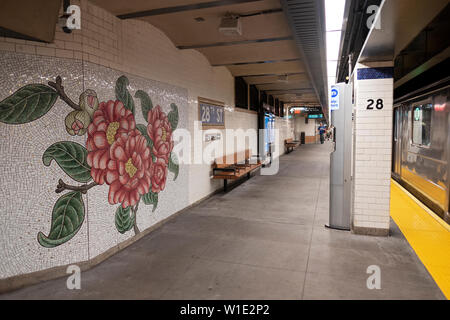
[{"x": 265, "y": 239}]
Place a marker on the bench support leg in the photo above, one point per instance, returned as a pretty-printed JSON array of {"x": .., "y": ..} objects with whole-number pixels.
[
  {"x": 248, "y": 175},
  {"x": 225, "y": 185}
]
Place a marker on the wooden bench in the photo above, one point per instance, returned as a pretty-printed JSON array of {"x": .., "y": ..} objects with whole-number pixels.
[
  {"x": 235, "y": 166},
  {"x": 290, "y": 144}
]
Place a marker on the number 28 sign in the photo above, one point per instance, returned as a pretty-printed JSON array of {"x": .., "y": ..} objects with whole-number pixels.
[
  {"x": 211, "y": 114},
  {"x": 377, "y": 103}
]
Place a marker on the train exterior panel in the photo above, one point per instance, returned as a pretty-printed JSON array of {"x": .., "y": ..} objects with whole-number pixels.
[{"x": 421, "y": 147}]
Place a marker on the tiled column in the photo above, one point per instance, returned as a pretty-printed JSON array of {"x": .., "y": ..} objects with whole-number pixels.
[{"x": 373, "y": 89}]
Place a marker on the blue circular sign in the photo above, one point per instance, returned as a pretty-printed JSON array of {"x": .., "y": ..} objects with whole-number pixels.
[{"x": 334, "y": 93}]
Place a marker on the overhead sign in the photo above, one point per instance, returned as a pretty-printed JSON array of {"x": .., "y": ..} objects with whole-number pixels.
[
  {"x": 315, "y": 116},
  {"x": 334, "y": 102},
  {"x": 305, "y": 109}
]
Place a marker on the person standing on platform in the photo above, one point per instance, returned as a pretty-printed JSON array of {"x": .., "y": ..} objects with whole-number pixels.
[{"x": 322, "y": 129}]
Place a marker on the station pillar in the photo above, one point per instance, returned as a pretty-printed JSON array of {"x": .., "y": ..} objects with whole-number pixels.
[{"x": 373, "y": 94}]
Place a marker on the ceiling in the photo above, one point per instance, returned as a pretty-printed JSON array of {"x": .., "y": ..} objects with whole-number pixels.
[
  {"x": 40, "y": 16},
  {"x": 397, "y": 31},
  {"x": 400, "y": 21},
  {"x": 267, "y": 48}
]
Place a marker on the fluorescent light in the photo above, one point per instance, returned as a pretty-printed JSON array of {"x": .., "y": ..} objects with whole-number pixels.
[
  {"x": 333, "y": 43},
  {"x": 332, "y": 66},
  {"x": 334, "y": 16},
  {"x": 331, "y": 80}
]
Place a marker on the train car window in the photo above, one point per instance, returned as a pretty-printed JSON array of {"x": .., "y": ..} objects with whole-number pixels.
[{"x": 422, "y": 124}]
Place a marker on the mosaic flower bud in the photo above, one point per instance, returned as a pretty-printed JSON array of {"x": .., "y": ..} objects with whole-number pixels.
[
  {"x": 77, "y": 122},
  {"x": 89, "y": 101},
  {"x": 160, "y": 131}
]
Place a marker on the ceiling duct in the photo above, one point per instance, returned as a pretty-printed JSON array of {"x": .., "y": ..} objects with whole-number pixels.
[{"x": 307, "y": 21}]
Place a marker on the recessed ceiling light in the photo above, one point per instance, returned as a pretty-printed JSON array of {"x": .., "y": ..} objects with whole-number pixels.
[{"x": 199, "y": 19}]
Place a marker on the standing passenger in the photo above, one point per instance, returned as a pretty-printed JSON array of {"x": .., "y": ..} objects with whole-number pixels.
[{"x": 322, "y": 130}]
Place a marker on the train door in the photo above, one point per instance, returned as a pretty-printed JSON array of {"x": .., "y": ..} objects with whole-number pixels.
[{"x": 397, "y": 142}]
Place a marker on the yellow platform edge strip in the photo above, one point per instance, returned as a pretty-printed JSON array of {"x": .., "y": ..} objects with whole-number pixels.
[
  {"x": 427, "y": 233},
  {"x": 424, "y": 207}
]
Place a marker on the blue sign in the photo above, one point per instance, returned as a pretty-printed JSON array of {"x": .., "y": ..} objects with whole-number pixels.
[
  {"x": 269, "y": 132},
  {"x": 211, "y": 114},
  {"x": 334, "y": 102}
]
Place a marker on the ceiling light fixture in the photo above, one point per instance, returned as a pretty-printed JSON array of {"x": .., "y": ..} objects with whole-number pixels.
[
  {"x": 230, "y": 25},
  {"x": 282, "y": 78}
]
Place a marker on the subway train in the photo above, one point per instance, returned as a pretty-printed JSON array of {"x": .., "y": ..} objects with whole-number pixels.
[{"x": 421, "y": 145}]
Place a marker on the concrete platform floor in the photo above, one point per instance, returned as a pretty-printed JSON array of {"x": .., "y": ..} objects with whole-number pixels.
[{"x": 264, "y": 239}]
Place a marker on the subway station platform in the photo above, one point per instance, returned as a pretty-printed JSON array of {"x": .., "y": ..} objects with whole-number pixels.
[{"x": 252, "y": 244}]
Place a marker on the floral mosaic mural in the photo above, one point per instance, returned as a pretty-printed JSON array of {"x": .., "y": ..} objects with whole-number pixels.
[{"x": 132, "y": 159}]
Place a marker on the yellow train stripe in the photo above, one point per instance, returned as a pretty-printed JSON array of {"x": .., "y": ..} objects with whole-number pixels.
[{"x": 427, "y": 234}]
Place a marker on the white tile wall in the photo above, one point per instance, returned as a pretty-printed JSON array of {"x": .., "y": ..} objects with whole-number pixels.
[
  {"x": 373, "y": 150},
  {"x": 309, "y": 128}
]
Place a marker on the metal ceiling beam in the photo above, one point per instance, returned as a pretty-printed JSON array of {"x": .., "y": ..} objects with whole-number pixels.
[
  {"x": 269, "y": 11},
  {"x": 271, "y": 74},
  {"x": 265, "y": 83},
  {"x": 380, "y": 43},
  {"x": 256, "y": 62},
  {"x": 286, "y": 91},
  {"x": 279, "y": 86},
  {"x": 307, "y": 21},
  {"x": 354, "y": 33},
  {"x": 385, "y": 43},
  {"x": 188, "y": 7},
  {"x": 303, "y": 103},
  {"x": 233, "y": 43}
]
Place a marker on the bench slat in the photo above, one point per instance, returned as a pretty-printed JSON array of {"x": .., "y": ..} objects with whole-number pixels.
[{"x": 234, "y": 166}]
